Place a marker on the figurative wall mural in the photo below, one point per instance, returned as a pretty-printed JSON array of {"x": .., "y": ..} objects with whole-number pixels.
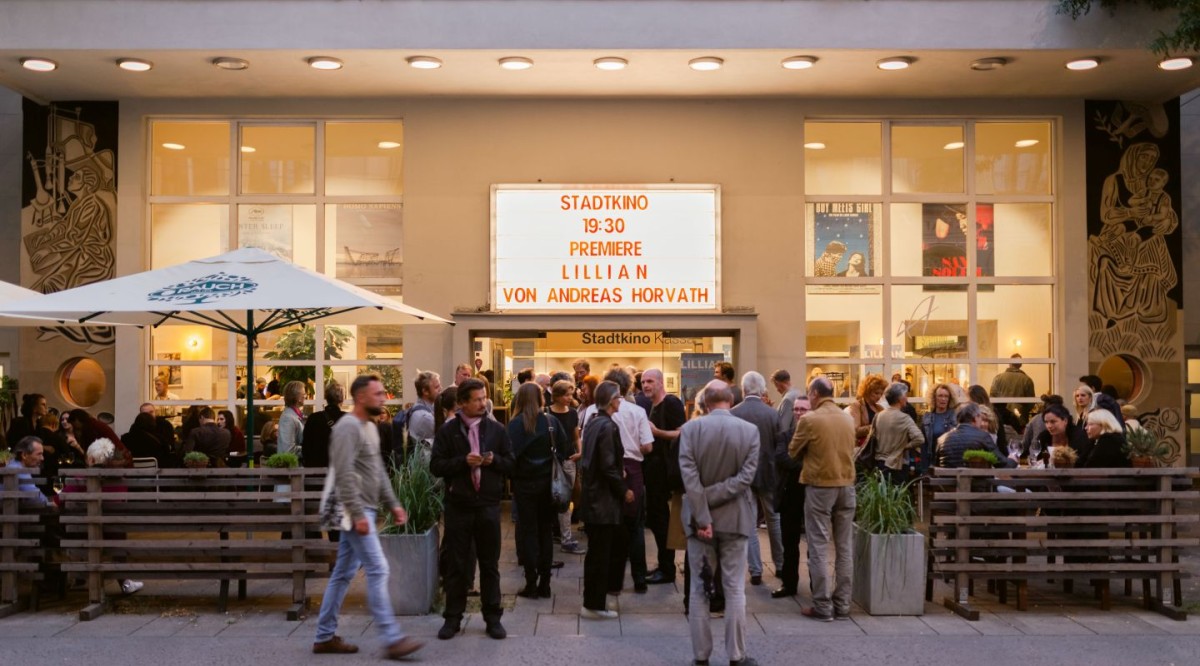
[
  {"x": 1135, "y": 255},
  {"x": 68, "y": 227}
]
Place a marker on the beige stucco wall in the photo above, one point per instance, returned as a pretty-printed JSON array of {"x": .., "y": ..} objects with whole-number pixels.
[{"x": 455, "y": 149}]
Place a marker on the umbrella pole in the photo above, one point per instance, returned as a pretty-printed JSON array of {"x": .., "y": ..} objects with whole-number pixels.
[{"x": 250, "y": 339}]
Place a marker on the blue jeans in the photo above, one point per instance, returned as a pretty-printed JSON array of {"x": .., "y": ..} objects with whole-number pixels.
[{"x": 355, "y": 551}]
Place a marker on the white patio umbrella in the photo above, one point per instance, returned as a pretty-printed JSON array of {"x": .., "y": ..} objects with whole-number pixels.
[{"x": 246, "y": 292}]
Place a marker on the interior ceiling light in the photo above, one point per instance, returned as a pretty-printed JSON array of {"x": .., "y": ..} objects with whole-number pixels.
[
  {"x": 516, "y": 63},
  {"x": 39, "y": 64},
  {"x": 610, "y": 64},
  {"x": 798, "y": 62},
  {"x": 232, "y": 64},
  {"x": 388, "y": 145},
  {"x": 954, "y": 145},
  {"x": 135, "y": 65},
  {"x": 324, "y": 62},
  {"x": 988, "y": 64},
  {"x": 1083, "y": 64},
  {"x": 815, "y": 145},
  {"x": 706, "y": 64},
  {"x": 174, "y": 146},
  {"x": 1175, "y": 64},
  {"x": 1025, "y": 143},
  {"x": 899, "y": 62},
  {"x": 249, "y": 149},
  {"x": 423, "y": 62}
]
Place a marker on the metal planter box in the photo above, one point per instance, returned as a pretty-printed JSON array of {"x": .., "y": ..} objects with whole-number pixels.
[
  {"x": 413, "y": 564},
  {"x": 889, "y": 573}
]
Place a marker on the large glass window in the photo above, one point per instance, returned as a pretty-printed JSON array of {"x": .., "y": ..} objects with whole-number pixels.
[
  {"x": 945, "y": 273},
  {"x": 338, "y": 211}
]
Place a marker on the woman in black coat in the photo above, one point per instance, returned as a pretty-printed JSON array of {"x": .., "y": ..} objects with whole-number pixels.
[
  {"x": 1108, "y": 441},
  {"x": 534, "y": 443},
  {"x": 144, "y": 441},
  {"x": 1060, "y": 431},
  {"x": 601, "y": 472}
]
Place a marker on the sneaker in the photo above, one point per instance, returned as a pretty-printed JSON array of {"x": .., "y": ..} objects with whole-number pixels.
[
  {"x": 403, "y": 647},
  {"x": 837, "y": 615},
  {"x": 334, "y": 645},
  {"x": 590, "y": 614},
  {"x": 131, "y": 586},
  {"x": 814, "y": 614},
  {"x": 611, "y": 602},
  {"x": 496, "y": 630},
  {"x": 449, "y": 629},
  {"x": 575, "y": 548}
]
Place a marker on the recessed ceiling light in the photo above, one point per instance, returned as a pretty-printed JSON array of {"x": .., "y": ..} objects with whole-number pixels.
[
  {"x": 706, "y": 64},
  {"x": 516, "y": 63},
  {"x": 174, "y": 146},
  {"x": 1175, "y": 64},
  {"x": 988, "y": 64},
  {"x": 1025, "y": 143},
  {"x": 610, "y": 64},
  {"x": 953, "y": 145},
  {"x": 249, "y": 149},
  {"x": 135, "y": 65},
  {"x": 798, "y": 62},
  {"x": 39, "y": 64},
  {"x": 899, "y": 62},
  {"x": 1083, "y": 64},
  {"x": 423, "y": 62},
  {"x": 388, "y": 145},
  {"x": 815, "y": 145},
  {"x": 232, "y": 64},
  {"x": 324, "y": 62}
]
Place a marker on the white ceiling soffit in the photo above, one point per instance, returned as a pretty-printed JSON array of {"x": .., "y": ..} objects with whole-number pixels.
[{"x": 81, "y": 75}]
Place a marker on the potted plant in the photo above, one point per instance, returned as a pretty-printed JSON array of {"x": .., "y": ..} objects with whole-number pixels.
[
  {"x": 1063, "y": 457},
  {"x": 980, "y": 459},
  {"x": 412, "y": 548},
  {"x": 282, "y": 461},
  {"x": 6, "y": 457},
  {"x": 889, "y": 555},
  {"x": 1144, "y": 448},
  {"x": 195, "y": 460}
]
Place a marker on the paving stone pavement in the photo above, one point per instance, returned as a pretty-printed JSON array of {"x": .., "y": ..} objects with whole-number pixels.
[{"x": 651, "y": 629}]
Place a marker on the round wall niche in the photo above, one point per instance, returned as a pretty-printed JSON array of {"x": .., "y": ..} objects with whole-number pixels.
[
  {"x": 1128, "y": 374},
  {"x": 81, "y": 382}
]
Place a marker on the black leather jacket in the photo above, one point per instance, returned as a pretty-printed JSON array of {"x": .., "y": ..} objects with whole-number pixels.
[{"x": 601, "y": 468}]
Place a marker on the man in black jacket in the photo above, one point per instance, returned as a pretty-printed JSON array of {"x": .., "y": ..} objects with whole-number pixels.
[
  {"x": 789, "y": 503},
  {"x": 473, "y": 454},
  {"x": 317, "y": 428}
]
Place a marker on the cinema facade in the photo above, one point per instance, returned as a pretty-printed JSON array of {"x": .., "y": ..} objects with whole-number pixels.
[{"x": 842, "y": 188}]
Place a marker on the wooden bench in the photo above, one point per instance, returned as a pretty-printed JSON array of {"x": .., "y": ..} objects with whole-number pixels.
[
  {"x": 1063, "y": 525},
  {"x": 21, "y": 548},
  {"x": 208, "y": 524}
]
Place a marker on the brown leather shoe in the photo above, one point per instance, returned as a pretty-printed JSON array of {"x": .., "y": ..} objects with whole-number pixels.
[
  {"x": 334, "y": 645},
  {"x": 403, "y": 647}
]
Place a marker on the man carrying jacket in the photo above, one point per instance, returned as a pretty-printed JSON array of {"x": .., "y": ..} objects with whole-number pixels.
[{"x": 473, "y": 454}]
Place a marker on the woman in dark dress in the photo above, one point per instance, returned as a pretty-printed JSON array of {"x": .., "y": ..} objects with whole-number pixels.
[
  {"x": 534, "y": 441},
  {"x": 601, "y": 471},
  {"x": 1108, "y": 441},
  {"x": 1060, "y": 431}
]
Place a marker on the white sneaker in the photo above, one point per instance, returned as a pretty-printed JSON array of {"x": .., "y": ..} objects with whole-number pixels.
[
  {"x": 611, "y": 602},
  {"x": 590, "y": 614},
  {"x": 131, "y": 586}
]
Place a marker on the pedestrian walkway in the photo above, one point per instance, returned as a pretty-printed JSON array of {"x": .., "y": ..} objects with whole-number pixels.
[{"x": 651, "y": 629}]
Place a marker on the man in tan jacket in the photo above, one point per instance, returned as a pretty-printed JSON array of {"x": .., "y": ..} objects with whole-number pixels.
[{"x": 824, "y": 442}]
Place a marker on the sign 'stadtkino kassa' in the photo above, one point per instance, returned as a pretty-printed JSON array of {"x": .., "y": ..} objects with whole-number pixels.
[{"x": 563, "y": 248}]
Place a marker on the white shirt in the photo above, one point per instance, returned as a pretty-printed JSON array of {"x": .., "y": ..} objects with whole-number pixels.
[{"x": 634, "y": 426}]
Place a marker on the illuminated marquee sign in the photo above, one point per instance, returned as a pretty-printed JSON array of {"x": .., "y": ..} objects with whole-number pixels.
[{"x": 563, "y": 248}]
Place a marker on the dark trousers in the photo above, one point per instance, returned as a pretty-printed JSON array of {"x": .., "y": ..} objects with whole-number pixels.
[
  {"x": 628, "y": 545},
  {"x": 791, "y": 524},
  {"x": 535, "y": 531},
  {"x": 596, "y": 564},
  {"x": 467, "y": 526},
  {"x": 658, "y": 515}
]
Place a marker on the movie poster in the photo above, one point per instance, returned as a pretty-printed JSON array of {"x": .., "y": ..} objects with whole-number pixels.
[
  {"x": 945, "y": 233},
  {"x": 841, "y": 238},
  {"x": 696, "y": 370},
  {"x": 267, "y": 228},
  {"x": 370, "y": 246}
]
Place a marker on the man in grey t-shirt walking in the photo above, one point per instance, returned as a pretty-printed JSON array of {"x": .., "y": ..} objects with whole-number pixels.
[{"x": 361, "y": 485}]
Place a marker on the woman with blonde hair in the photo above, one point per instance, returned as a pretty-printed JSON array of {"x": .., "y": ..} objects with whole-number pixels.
[
  {"x": 1085, "y": 400},
  {"x": 1108, "y": 441},
  {"x": 291, "y": 421},
  {"x": 938, "y": 420}
]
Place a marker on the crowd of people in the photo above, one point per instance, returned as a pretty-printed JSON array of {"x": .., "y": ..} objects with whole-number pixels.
[{"x": 701, "y": 477}]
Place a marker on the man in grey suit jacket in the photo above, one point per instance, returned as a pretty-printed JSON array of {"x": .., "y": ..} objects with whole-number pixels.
[
  {"x": 761, "y": 415},
  {"x": 718, "y": 457}
]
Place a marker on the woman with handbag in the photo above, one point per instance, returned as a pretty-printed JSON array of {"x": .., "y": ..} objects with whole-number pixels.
[{"x": 534, "y": 442}]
